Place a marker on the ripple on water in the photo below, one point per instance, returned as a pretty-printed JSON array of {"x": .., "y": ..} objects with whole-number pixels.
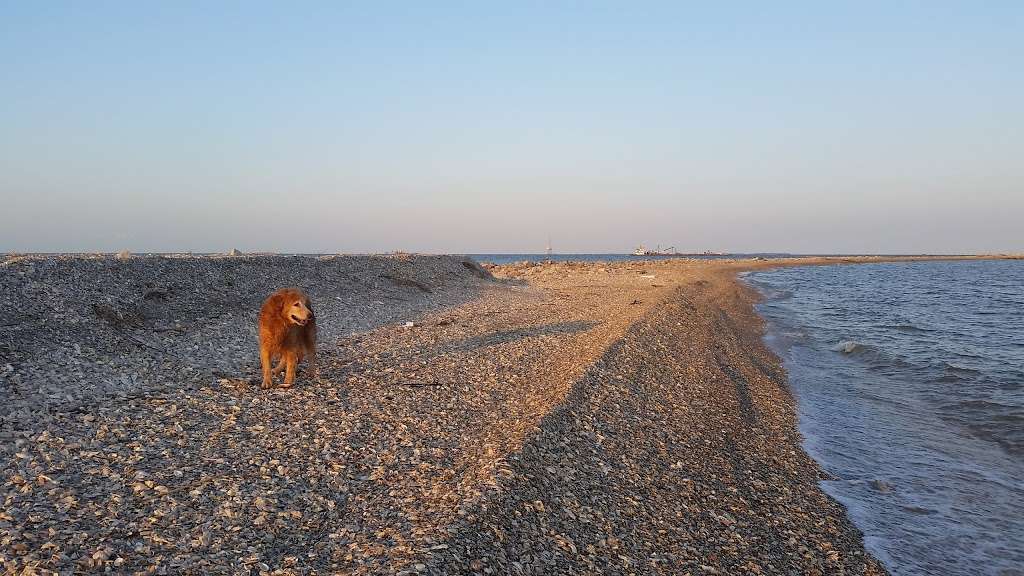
[{"x": 911, "y": 395}]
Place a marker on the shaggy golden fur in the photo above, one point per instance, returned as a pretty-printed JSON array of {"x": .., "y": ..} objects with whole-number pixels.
[{"x": 288, "y": 332}]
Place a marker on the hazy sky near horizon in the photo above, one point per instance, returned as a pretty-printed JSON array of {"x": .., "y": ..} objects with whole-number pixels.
[{"x": 893, "y": 127}]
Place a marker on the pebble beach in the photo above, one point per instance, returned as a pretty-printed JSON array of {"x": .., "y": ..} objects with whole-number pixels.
[{"x": 563, "y": 418}]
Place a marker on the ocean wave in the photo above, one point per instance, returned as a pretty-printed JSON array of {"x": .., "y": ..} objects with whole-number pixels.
[
  {"x": 909, "y": 328},
  {"x": 915, "y": 378},
  {"x": 990, "y": 420},
  {"x": 775, "y": 294},
  {"x": 924, "y": 369},
  {"x": 848, "y": 347},
  {"x": 954, "y": 369},
  {"x": 869, "y": 353},
  {"x": 982, "y": 405}
]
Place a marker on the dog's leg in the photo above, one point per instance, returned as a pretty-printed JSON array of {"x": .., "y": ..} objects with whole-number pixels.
[
  {"x": 312, "y": 364},
  {"x": 279, "y": 368},
  {"x": 265, "y": 363},
  {"x": 289, "y": 374},
  {"x": 310, "y": 347}
]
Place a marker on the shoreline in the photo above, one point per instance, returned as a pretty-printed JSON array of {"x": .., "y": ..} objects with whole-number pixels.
[
  {"x": 620, "y": 417},
  {"x": 884, "y": 397}
]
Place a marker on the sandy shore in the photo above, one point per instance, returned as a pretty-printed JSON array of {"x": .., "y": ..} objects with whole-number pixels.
[{"x": 555, "y": 419}]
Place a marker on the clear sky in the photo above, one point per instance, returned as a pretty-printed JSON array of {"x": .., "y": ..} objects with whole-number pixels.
[{"x": 479, "y": 127}]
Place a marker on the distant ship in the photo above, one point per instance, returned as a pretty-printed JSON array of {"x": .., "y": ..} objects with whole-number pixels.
[
  {"x": 641, "y": 251},
  {"x": 671, "y": 251}
]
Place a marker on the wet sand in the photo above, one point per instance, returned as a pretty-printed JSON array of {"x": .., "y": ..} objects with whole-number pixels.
[{"x": 554, "y": 419}]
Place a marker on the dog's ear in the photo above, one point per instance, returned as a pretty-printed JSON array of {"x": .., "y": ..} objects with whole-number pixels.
[{"x": 277, "y": 300}]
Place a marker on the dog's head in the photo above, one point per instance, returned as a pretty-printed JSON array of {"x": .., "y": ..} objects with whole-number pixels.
[{"x": 297, "y": 308}]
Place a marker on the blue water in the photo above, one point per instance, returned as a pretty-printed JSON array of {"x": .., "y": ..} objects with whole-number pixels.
[{"x": 910, "y": 386}]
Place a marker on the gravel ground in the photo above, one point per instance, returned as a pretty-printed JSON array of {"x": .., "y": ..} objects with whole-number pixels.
[
  {"x": 76, "y": 330},
  {"x": 558, "y": 419},
  {"x": 676, "y": 453}
]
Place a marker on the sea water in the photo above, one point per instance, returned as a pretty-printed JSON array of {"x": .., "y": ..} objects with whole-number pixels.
[{"x": 909, "y": 379}]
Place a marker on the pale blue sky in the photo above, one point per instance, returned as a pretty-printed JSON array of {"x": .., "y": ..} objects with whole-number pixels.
[{"x": 476, "y": 127}]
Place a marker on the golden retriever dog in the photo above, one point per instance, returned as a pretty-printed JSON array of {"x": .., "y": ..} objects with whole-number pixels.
[{"x": 288, "y": 332}]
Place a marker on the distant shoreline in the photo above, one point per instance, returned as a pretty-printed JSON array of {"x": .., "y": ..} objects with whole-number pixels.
[{"x": 512, "y": 258}]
